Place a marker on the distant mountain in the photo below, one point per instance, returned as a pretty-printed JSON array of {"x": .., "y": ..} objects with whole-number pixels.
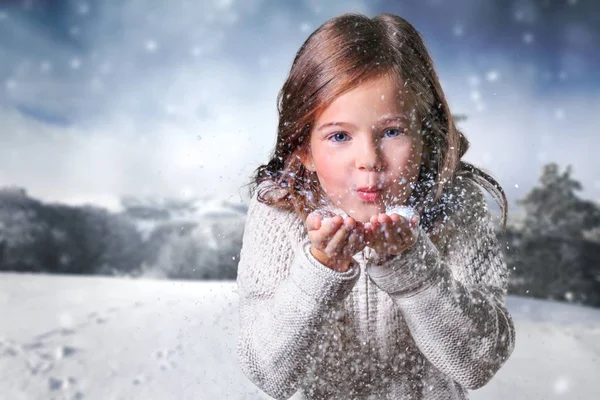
[{"x": 157, "y": 209}]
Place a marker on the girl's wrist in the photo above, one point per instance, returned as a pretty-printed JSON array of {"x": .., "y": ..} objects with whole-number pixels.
[
  {"x": 337, "y": 265},
  {"x": 382, "y": 254},
  {"x": 384, "y": 257}
]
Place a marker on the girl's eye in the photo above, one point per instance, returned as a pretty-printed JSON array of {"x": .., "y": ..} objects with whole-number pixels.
[
  {"x": 339, "y": 137},
  {"x": 393, "y": 132}
]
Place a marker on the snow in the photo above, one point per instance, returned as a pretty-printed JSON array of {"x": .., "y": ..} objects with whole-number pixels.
[{"x": 68, "y": 337}]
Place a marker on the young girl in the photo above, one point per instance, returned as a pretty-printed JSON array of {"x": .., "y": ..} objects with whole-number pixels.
[{"x": 343, "y": 293}]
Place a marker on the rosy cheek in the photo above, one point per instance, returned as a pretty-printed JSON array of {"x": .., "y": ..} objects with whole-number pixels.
[
  {"x": 330, "y": 179},
  {"x": 329, "y": 167}
]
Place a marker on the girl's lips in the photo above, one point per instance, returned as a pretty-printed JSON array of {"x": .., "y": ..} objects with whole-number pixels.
[{"x": 370, "y": 196}]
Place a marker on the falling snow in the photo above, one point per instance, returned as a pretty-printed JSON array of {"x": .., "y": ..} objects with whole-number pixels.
[
  {"x": 75, "y": 63},
  {"x": 151, "y": 46},
  {"x": 492, "y": 76},
  {"x": 528, "y": 38},
  {"x": 458, "y": 30},
  {"x": 498, "y": 92}
]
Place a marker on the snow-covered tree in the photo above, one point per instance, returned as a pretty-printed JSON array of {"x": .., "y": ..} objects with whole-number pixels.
[
  {"x": 554, "y": 255},
  {"x": 39, "y": 237}
]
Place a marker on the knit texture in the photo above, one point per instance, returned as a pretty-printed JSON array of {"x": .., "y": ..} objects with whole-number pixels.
[{"x": 429, "y": 323}]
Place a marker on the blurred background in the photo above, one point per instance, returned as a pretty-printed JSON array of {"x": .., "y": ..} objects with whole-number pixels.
[{"x": 128, "y": 129}]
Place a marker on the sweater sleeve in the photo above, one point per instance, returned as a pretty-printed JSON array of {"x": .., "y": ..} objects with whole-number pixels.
[
  {"x": 455, "y": 306},
  {"x": 284, "y": 293}
]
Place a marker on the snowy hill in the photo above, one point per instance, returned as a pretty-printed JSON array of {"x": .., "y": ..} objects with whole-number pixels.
[
  {"x": 67, "y": 337},
  {"x": 149, "y": 213}
]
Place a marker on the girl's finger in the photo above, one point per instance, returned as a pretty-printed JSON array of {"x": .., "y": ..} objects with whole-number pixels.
[
  {"x": 330, "y": 226},
  {"x": 313, "y": 221},
  {"x": 395, "y": 218},
  {"x": 372, "y": 227},
  {"x": 404, "y": 230},
  {"x": 335, "y": 246},
  {"x": 390, "y": 233},
  {"x": 373, "y": 220},
  {"x": 411, "y": 238},
  {"x": 384, "y": 219},
  {"x": 414, "y": 221},
  {"x": 316, "y": 218},
  {"x": 374, "y": 231},
  {"x": 337, "y": 242},
  {"x": 356, "y": 242},
  {"x": 401, "y": 225},
  {"x": 323, "y": 235}
]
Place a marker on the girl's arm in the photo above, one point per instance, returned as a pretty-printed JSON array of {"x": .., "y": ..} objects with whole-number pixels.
[
  {"x": 284, "y": 295},
  {"x": 455, "y": 307}
]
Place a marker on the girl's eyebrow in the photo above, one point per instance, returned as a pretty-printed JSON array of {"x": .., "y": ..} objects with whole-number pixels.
[
  {"x": 343, "y": 124},
  {"x": 384, "y": 119}
]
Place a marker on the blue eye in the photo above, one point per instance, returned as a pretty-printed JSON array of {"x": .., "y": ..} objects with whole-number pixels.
[
  {"x": 339, "y": 137},
  {"x": 393, "y": 132}
]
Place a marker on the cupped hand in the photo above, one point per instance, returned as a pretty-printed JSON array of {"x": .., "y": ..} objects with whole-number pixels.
[
  {"x": 390, "y": 235},
  {"x": 335, "y": 239}
]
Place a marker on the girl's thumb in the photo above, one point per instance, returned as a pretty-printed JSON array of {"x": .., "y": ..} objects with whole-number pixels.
[{"x": 313, "y": 221}]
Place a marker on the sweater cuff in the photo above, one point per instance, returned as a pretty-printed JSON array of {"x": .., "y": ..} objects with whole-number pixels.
[
  {"x": 319, "y": 282},
  {"x": 411, "y": 271}
]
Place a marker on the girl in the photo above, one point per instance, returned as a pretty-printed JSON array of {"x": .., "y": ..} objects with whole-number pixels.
[{"x": 342, "y": 294}]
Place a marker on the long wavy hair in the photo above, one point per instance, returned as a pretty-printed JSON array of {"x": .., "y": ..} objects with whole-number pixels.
[{"x": 340, "y": 55}]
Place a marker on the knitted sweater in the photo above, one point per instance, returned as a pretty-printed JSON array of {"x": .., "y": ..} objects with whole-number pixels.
[{"x": 428, "y": 324}]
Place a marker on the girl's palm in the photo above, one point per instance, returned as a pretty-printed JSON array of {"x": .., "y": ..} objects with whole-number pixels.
[
  {"x": 335, "y": 239},
  {"x": 391, "y": 234}
]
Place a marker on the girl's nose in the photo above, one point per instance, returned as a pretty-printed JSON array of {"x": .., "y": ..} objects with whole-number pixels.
[{"x": 368, "y": 157}]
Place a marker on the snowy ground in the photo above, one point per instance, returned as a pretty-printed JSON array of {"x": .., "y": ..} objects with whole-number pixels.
[{"x": 104, "y": 338}]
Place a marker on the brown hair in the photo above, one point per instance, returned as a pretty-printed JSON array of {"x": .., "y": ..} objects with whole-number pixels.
[{"x": 340, "y": 55}]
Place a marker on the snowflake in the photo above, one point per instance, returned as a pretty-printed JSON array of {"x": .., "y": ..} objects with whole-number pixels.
[
  {"x": 458, "y": 30},
  {"x": 559, "y": 114},
  {"x": 561, "y": 385},
  {"x": 474, "y": 80},
  {"x": 75, "y": 63},
  {"x": 151, "y": 46},
  {"x": 492, "y": 76},
  {"x": 83, "y": 8},
  {"x": 528, "y": 37},
  {"x": 305, "y": 27}
]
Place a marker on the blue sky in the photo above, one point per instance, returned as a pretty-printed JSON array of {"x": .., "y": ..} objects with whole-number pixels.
[{"x": 102, "y": 99}]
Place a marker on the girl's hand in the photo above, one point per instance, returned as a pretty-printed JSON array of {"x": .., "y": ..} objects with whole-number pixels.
[
  {"x": 390, "y": 235},
  {"x": 334, "y": 239}
]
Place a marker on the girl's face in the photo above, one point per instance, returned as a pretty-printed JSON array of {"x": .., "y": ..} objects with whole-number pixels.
[{"x": 366, "y": 149}]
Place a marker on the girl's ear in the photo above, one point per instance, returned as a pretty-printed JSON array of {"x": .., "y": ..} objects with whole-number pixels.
[{"x": 307, "y": 160}]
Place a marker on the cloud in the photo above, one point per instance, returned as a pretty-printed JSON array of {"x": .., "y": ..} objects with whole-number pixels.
[
  {"x": 155, "y": 102},
  {"x": 168, "y": 100},
  {"x": 514, "y": 129}
]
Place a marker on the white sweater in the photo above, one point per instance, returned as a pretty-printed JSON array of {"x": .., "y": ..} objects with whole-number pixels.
[{"x": 428, "y": 324}]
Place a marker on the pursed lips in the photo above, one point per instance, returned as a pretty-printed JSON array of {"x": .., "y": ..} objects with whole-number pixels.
[{"x": 368, "y": 194}]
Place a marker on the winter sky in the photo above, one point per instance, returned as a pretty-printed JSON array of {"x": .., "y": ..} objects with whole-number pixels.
[{"x": 149, "y": 97}]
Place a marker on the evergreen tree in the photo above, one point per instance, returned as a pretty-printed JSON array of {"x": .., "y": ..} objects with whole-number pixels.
[{"x": 554, "y": 256}]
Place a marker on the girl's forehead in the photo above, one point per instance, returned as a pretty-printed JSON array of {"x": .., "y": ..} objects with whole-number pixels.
[
  {"x": 374, "y": 98},
  {"x": 387, "y": 81}
]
